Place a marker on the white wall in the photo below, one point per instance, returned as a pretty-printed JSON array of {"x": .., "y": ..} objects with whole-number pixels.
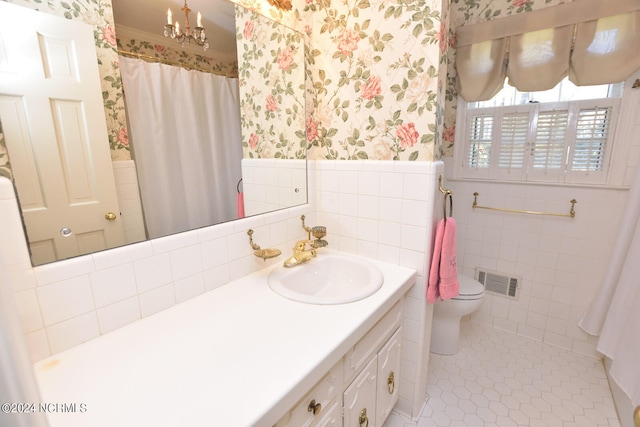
[{"x": 562, "y": 260}]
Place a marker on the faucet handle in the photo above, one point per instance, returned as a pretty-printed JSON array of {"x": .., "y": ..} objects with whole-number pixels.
[{"x": 301, "y": 245}]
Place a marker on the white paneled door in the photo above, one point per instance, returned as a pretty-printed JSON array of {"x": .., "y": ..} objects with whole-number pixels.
[{"x": 53, "y": 119}]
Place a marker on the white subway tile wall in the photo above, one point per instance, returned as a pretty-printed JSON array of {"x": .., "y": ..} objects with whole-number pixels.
[
  {"x": 126, "y": 179},
  {"x": 269, "y": 184},
  {"x": 562, "y": 260},
  {"x": 66, "y": 303},
  {"x": 385, "y": 210}
]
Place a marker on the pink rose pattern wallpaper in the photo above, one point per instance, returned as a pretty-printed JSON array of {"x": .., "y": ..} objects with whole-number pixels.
[
  {"x": 374, "y": 69},
  {"x": 213, "y": 65},
  {"x": 272, "y": 87},
  {"x": 5, "y": 165}
]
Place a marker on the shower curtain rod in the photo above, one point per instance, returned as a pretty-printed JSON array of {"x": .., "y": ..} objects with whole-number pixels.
[{"x": 150, "y": 58}]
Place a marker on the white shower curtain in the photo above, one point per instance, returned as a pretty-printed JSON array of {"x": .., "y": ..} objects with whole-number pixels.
[
  {"x": 184, "y": 128},
  {"x": 614, "y": 313}
]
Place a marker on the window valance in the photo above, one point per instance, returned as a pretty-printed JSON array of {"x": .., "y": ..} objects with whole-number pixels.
[{"x": 592, "y": 41}]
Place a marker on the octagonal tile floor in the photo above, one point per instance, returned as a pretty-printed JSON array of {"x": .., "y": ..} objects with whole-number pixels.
[{"x": 499, "y": 379}]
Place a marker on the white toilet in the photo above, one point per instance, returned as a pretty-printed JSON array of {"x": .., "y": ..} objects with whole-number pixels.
[{"x": 445, "y": 331}]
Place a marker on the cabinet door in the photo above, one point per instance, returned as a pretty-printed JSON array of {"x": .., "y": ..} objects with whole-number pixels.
[
  {"x": 360, "y": 398},
  {"x": 389, "y": 358}
]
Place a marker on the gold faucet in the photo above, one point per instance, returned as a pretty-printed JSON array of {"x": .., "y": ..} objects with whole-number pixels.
[{"x": 301, "y": 254}]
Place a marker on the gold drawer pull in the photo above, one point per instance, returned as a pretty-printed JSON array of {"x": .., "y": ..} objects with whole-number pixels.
[
  {"x": 363, "y": 420},
  {"x": 391, "y": 383},
  {"x": 314, "y": 407}
]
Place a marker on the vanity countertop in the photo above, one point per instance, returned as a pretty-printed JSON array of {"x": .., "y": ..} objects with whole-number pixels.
[{"x": 237, "y": 356}]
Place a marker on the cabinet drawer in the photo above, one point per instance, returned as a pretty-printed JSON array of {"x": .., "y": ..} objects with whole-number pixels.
[
  {"x": 358, "y": 355},
  {"x": 321, "y": 394}
]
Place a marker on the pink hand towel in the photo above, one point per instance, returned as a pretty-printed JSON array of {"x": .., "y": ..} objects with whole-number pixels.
[
  {"x": 449, "y": 284},
  {"x": 240, "y": 205},
  {"x": 434, "y": 270}
]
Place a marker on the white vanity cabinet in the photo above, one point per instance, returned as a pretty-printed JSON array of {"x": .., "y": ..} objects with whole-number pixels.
[{"x": 362, "y": 388}]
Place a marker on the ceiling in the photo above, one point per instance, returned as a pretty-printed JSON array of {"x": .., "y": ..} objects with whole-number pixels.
[{"x": 218, "y": 19}]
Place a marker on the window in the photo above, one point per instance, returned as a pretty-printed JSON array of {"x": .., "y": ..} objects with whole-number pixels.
[{"x": 562, "y": 135}]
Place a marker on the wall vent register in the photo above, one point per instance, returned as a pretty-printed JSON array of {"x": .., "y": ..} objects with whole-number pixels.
[{"x": 499, "y": 283}]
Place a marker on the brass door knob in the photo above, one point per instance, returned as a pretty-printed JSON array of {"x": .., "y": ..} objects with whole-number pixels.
[
  {"x": 314, "y": 407},
  {"x": 110, "y": 216}
]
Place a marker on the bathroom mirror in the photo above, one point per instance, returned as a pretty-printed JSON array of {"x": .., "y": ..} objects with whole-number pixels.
[{"x": 263, "y": 162}]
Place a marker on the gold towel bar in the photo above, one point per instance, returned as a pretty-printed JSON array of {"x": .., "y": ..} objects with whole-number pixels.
[{"x": 571, "y": 214}]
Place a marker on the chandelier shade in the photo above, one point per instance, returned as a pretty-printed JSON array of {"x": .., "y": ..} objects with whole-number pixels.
[{"x": 197, "y": 34}]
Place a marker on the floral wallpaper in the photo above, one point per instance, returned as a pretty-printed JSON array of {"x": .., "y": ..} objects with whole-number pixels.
[
  {"x": 466, "y": 12},
  {"x": 375, "y": 67},
  {"x": 271, "y": 74},
  {"x": 372, "y": 76},
  {"x": 99, "y": 14},
  {"x": 201, "y": 62},
  {"x": 5, "y": 165}
]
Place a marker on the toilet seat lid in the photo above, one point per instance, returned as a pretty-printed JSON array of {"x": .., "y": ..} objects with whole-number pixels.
[{"x": 469, "y": 287}]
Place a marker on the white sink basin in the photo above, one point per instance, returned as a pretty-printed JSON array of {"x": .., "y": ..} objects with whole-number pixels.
[{"x": 327, "y": 279}]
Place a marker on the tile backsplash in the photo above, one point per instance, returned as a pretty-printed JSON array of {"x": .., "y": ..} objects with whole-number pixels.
[
  {"x": 66, "y": 303},
  {"x": 269, "y": 184}
]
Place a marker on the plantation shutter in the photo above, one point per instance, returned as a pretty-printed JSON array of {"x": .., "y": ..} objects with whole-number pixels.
[
  {"x": 554, "y": 142},
  {"x": 594, "y": 134},
  {"x": 480, "y": 134},
  {"x": 548, "y": 162},
  {"x": 513, "y": 140}
]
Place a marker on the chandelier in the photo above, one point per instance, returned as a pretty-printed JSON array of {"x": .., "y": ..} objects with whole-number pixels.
[{"x": 197, "y": 35}]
